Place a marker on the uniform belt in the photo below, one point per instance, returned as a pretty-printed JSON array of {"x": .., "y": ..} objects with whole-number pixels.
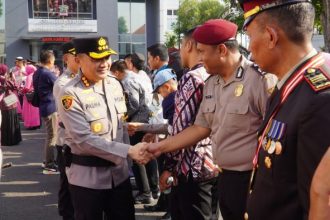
[
  {"x": 91, "y": 161},
  {"x": 225, "y": 171}
]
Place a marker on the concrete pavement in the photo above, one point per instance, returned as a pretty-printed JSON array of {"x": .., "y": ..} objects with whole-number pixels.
[{"x": 26, "y": 193}]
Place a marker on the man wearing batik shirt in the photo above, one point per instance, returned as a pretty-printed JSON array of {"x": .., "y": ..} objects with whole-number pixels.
[{"x": 193, "y": 168}]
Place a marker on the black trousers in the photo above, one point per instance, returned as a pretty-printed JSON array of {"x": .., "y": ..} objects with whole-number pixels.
[
  {"x": 65, "y": 206},
  {"x": 146, "y": 176},
  {"x": 233, "y": 190},
  {"x": 193, "y": 200},
  {"x": 91, "y": 204}
]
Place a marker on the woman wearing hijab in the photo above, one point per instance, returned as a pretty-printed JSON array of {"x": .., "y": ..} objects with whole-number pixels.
[
  {"x": 29, "y": 112},
  {"x": 10, "y": 128}
]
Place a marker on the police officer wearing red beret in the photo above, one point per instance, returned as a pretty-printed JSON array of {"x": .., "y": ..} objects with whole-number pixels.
[
  {"x": 295, "y": 132},
  {"x": 231, "y": 111}
]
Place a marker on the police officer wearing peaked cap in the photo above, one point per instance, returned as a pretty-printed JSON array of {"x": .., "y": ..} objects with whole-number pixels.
[
  {"x": 231, "y": 111},
  {"x": 92, "y": 109},
  {"x": 65, "y": 206},
  {"x": 295, "y": 132}
]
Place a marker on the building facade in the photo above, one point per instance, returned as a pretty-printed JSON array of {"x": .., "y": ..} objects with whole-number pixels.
[
  {"x": 2, "y": 31},
  {"x": 168, "y": 16},
  {"x": 33, "y": 25}
]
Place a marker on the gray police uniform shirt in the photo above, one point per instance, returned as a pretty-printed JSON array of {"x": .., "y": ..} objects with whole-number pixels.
[
  {"x": 92, "y": 117},
  {"x": 137, "y": 109},
  {"x": 58, "y": 85},
  {"x": 234, "y": 110}
]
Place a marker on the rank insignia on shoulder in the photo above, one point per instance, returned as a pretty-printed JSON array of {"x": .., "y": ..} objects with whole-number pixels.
[
  {"x": 240, "y": 73},
  {"x": 257, "y": 68},
  {"x": 317, "y": 79},
  {"x": 67, "y": 102}
]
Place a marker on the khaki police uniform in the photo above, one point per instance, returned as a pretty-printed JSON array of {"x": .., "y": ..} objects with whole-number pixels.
[
  {"x": 65, "y": 206},
  {"x": 93, "y": 118},
  {"x": 233, "y": 111},
  {"x": 62, "y": 80}
]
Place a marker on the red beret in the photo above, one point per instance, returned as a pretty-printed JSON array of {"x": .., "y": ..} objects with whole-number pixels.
[
  {"x": 215, "y": 31},
  {"x": 253, "y": 7}
]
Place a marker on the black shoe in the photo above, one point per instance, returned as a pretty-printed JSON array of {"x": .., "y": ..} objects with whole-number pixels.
[
  {"x": 153, "y": 208},
  {"x": 166, "y": 216},
  {"x": 143, "y": 199}
]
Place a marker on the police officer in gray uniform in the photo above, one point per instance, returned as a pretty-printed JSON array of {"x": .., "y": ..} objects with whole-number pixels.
[
  {"x": 92, "y": 108},
  {"x": 231, "y": 111},
  {"x": 65, "y": 207}
]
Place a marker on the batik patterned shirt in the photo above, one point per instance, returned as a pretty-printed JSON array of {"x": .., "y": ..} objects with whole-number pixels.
[{"x": 196, "y": 160}]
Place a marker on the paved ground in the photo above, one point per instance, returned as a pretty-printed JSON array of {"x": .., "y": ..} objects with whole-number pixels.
[{"x": 26, "y": 193}]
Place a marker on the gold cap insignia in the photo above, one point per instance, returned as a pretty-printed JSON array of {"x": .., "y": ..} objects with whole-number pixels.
[
  {"x": 67, "y": 102},
  {"x": 102, "y": 41},
  {"x": 102, "y": 44}
]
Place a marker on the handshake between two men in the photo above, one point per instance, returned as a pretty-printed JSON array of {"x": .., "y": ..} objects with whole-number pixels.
[{"x": 144, "y": 152}]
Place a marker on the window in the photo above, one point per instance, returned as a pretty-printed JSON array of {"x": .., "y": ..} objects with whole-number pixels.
[
  {"x": 131, "y": 27},
  {"x": 169, "y": 12},
  {"x": 175, "y": 12},
  {"x": 63, "y": 9}
]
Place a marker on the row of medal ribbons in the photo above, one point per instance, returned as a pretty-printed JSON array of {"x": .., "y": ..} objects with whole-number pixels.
[{"x": 271, "y": 142}]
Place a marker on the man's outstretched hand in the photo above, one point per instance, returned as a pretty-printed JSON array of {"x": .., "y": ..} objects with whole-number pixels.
[{"x": 139, "y": 153}]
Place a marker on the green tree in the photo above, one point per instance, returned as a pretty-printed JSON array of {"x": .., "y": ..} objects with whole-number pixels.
[
  {"x": 122, "y": 26},
  {"x": 0, "y": 7},
  {"x": 322, "y": 20},
  {"x": 195, "y": 12},
  {"x": 171, "y": 40}
]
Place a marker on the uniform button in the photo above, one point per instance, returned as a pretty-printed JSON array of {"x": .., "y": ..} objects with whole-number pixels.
[{"x": 246, "y": 216}]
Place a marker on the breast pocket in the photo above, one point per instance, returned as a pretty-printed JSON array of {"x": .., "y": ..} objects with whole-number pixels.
[
  {"x": 208, "y": 107},
  {"x": 99, "y": 126},
  {"x": 237, "y": 117}
]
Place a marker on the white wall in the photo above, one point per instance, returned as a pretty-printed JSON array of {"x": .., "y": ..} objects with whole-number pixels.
[{"x": 164, "y": 18}]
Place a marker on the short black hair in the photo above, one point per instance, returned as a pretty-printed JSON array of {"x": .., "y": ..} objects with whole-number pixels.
[
  {"x": 118, "y": 65},
  {"x": 129, "y": 56},
  {"x": 232, "y": 45},
  {"x": 137, "y": 62},
  {"x": 46, "y": 55},
  {"x": 296, "y": 20},
  {"x": 189, "y": 33},
  {"x": 158, "y": 50}
]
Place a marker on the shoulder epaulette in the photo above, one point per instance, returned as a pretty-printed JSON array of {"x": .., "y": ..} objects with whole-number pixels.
[
  {"x": 317, "y": 79},
  {"x": 257, "y": 69}
]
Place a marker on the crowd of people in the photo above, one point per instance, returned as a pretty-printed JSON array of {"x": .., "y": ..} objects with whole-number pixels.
[{"x": 218, "y": 133}]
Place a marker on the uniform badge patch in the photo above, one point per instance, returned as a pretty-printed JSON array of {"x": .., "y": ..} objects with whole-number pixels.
[
  {"x": 67, "y": 102},
  {"x": 96, "y": 127},
  {"x": 239, "y": 90}
]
